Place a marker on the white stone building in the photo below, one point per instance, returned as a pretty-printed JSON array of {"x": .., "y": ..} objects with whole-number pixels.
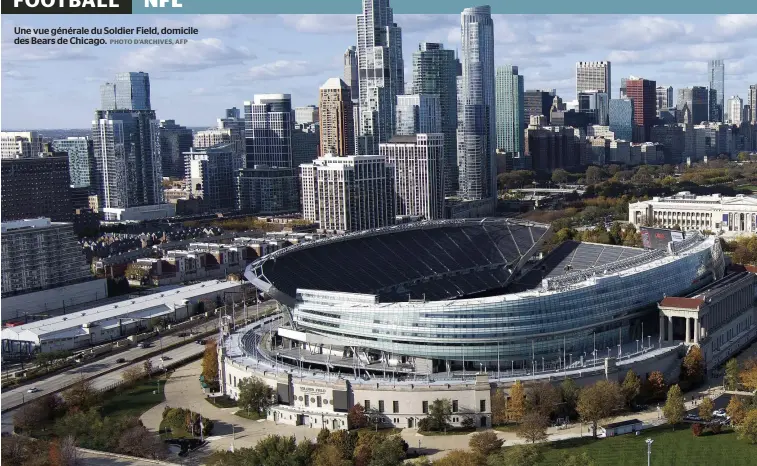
[{"x": 730, "y": 216}]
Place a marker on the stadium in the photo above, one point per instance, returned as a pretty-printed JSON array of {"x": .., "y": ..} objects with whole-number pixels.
[{"x": 441, "y": 297}]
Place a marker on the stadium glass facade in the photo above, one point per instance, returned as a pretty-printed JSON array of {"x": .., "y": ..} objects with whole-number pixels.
[{"x": 572, "y": 312}]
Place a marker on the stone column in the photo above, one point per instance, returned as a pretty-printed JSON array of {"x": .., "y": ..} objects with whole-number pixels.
[
  {"x": 662, "y": 327},
  {"x": 670, "y": 328},
  {"x": 688, "y": 330},
  {"x": 697, "y": 331}
]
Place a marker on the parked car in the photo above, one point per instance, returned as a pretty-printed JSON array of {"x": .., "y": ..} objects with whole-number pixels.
[
  {"x": 719, "y": 413},
  {"x": 120, "y": 360}
]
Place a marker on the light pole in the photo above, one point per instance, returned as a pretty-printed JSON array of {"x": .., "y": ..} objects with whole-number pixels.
[
  {"x": 637, "y": 346},
  {"x": 649, "y": 451}
]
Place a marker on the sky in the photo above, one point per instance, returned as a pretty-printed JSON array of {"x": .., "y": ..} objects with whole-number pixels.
[{"x": 235, "y": 57}]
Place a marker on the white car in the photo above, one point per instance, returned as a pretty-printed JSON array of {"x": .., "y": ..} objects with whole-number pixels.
[
  {"x": 719, "y": 413},
  {"x": 33, "y": 390}
]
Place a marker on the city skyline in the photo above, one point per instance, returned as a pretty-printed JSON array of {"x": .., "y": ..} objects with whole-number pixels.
[{"x": 231, "y": 59}]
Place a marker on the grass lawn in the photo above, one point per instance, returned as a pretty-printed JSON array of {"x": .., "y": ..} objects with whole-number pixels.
[
  {"x": 221, "y": 401},
  {"x": 506, "y": 428},
  {"x": 383, "y": 431},
  {"x": 750, "y": 187},
  {"x": 133, "y": 400},
  {"x": 670, "y": 448},
  {"x": 252, "y": 415},
  {"x": 452, "y": 431}
]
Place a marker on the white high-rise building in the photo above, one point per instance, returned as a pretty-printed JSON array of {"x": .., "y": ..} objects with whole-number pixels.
[
  {"x": 214, "y": 136},
  {"x": 349, "y": 193},
  {"x": 735, "y": 110},
  {"x": 476, "y": 133},
  {"x": 418, "y": 113},
  {"x": 753, "y": 103},
  {"x": 306, "y": 115},
  {"x": 20, "y": 144},
  {"x": 380, "y": 72},
  {"x": 593, "y": 75},
  {"x": 418, "y": 162}
]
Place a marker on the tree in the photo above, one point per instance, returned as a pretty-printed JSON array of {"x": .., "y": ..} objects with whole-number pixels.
[
  {"x": 674, "y": 407},
  {"x": 732, "y": 374},
  {"x": 533, "y": 427},
  {"x": 36, "y": 415},
  {"x": 748, "y": 428},
  {"x": 485, "y": 443},
  {"x": 323, "y": 436},
  {"x": 736, "y": 410},
  {"x": 135, "y": 272},
  {"x": 389, "y": 452},
  {"x": 345, "y": 441},
  {"x": 329, "y": 455},
  {"x": 439, "y": 412},
  {"x": 131, "y": 374},
  {"x": 697, "y": 429},
  {"x": 517, "y": 455},
  {"x": 543, "y": 398},
  {"x": 516, "y": 408},
  {"x": 499, "y": 407},
  {"x": 706, "y": 407},
  {"x": 461, "y": 458},
  {"x": 693, "y": 365},
  {"x": 138, "y": 441},
  {"x": 656, "y": 385},
  {"x": 598, "y": 401},
  {"x": 748, "y": 375},
  {"x": 255, "y": 395},
  {"x": 631, "y": 387},
  {"x": 559, "y": 176},
  {"x": 210, "y": 363},
  {"x": 147, "y": 368},
  {"x": 593, "y": 175},
  {"x": 569, "y": 391},
  {"x": 581, "y": 459},
  {"x": 81, "y": 396},
  {"x": 356, "y": 417}
]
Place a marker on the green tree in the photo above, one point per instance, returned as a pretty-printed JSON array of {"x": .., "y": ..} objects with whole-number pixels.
[
  {"x": 533, "y": 427},
  {"x": 329, "y": 455},
  {"x": 706, "y": 407},
  {"x": 598, "y": 401},
  {"x": 542, "y": 398},
  {"x": 439, "y": 412},
  {"x": 593, "y": 175},
  {"x": 485, "y": 443},
  {"x": 389, "y": 452},
  {"x": 674, "y": 408},
  {"x": 255, "y": 395},
  {"x": 569, "y": 392},
  {"x": 631, "y": 387},
  {"x": 279, "y": 450},
  {"x": 516, "y": 407},
  {"x": 559, "y": 176},
  {"x": 345, "y": 441},
  {"x": 517, "y": 455},
  {"x": 732, "y": 374},
  {"x": 748, "y": 428}
]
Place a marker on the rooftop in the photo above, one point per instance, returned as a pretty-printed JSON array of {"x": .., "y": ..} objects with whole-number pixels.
[{"x": 681, "y": 303}]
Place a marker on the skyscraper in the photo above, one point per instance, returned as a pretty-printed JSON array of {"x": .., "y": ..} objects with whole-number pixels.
[
  {"x": 595, "y": 104},
  {"x": 695, "y": 98},
  {"x": 536, "y": 102},
  {"x": 36, "y": 187},
  {"x": 593, "y": 75},
  {"x": 269, "y": 121},
  {"x": 81, "y": 161},
  {"x": 418, "y": 113},
  {"x": 210, "y": 174},
  {"x": 623, "y": 88},
  {"x": 127, "y": 158},
  {"x": 753, "y": 103},
  {"x": 336, "y": 125},
  {"x": 476, "y": 133},
  {"x": 174, "y": 141},
  {"x": 509, "y": 104},
  {"x": 418, "y": 163},
  {"x": 380, "y": 73},
  {"x": 716, "y": 71},
  {"x": 621, "y": 118},
  {"x": 129, "y": 91},
  {"x": 664, "y": 97},
  {"x": 350, "y": 71},
  {"x": 643, "y": 93},
  {"x": 350, "y": 193},
  {"x": 734, "y": 110},
  {"x": 435, "y": 72},
  {"x": 306, "y": 115}
]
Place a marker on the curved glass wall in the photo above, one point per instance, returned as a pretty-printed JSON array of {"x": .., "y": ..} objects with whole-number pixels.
[{"x": 513, "y": 327}]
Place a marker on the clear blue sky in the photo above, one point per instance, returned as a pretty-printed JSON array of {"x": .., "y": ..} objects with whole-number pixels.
[{"x": 235, "y": 57}]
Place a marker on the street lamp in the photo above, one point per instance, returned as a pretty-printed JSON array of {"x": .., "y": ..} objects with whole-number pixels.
[
  {"x": 637, "y": 346},
  {"x": 649, "y": 451}
]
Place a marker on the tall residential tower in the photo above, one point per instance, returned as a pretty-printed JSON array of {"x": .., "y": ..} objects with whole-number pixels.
[
  {"x": 336, "y": 125},
  {"x": 510, "y": 95}
]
